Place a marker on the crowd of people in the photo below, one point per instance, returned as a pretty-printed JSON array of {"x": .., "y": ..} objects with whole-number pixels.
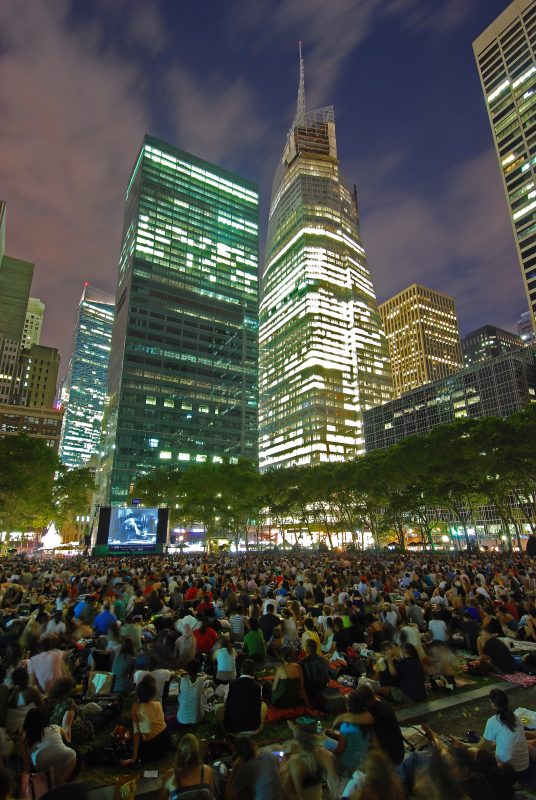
[{"x": 244, "y": 639}]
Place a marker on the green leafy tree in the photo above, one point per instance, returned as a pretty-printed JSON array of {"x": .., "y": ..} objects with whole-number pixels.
[
  {"x": 27, "y": 468},
  {"x": 71, "y": 493}
]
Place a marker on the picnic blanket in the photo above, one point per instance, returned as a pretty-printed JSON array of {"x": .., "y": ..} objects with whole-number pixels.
[
  {"x": 278, "y": 714},
  {"x": 520, "y": 678}
]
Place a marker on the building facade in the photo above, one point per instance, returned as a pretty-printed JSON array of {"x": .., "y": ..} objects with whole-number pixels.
[
  {"x": 506, "y": 57},
  {"x": 38, "y": 423},
  {"x": 36, "y": 380},
  {"x": 525, "y": 329},
  {"x": 33, "y": 323},
  {"x": 423, "y": 337},
  {"x": 488, "y": 342},
  {"x": 497, "y": 387},
  {"x": 323, "y": 354},
  {"x": 183, "y": 361},
  {"x": 15, "y": 284},
  {"x": 85, "y": 388}
]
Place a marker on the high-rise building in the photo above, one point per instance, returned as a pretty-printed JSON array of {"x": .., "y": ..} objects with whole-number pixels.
[
  {"x": 183, "y": 361},
  {"x": 488, "y": 342},
  {"x": 506, "y": 57},
  {"x": 37, "y": 423},
  {"x": 422, "y": 332},
  {"x": 323, "y": 353},
  {"x": 36, "y": 379},
  {"x": 15, "y": 283},
  {"x": 33, "y": 322},
  {"x": 494, "y": 388},
  {"x": 525, "y": 329},
  {"x": 86, "y": 385}
]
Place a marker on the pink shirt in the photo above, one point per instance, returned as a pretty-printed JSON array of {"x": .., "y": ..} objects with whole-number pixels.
[{"x": 46, "y": 668}]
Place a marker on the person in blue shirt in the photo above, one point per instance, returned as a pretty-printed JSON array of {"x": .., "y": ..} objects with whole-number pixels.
[
  {"x": 104, "y": 620},
  {"x": 79, "y": 608}
]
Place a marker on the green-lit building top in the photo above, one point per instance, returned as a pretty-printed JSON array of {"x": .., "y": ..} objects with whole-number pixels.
[{"x": 183, "y": 361}]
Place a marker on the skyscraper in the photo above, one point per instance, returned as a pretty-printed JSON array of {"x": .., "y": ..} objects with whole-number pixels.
[
  {"x": 183, "y": 362},
  {"x": 85, "y": 388},
  {"x": 323, "y": 353},
  {"x": 33, "y": 322},
  {"x": 422, "y": 332},
  {"x": 506, "y": 57},
  {"x": 15, "y": 283},
  {"x": 488, "y": 342}
]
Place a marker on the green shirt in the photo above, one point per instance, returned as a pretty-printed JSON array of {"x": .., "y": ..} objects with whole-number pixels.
[{"x": 254, "y": 643}]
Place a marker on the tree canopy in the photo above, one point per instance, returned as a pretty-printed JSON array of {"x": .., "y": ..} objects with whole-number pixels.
[{"x": 454, "y": 471}]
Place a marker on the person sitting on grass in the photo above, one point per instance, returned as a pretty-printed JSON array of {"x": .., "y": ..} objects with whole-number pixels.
[
  {"x": 189, "y": 778},
  {"x": 288, "y": 690},
  {"x": 408, "y": 674},
  {"x": 254, "y": 642},
  {"x": 151, "y": 738},
  {"x": 243, "y": 711}
]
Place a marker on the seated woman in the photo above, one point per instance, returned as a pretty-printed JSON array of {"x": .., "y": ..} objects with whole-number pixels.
[
  {"x": 45, "y": 747},
  {"x": 253, "y": 774},
  {"x": 290, "y": 629},
  {"x": 123, "y": 668},
  {"x": 189, "y": 776},
  {"x": 185, "y": 646},
  {"x": 225, "y": 658},
  {"x": 309, "y": 765},
  {"x": 151, "y": 737},
  {"x": 22, "y": 699},
  {"x": 350, "y": 740},
  {"x": 504, "y": 733},
  {"x": 287, "y": 689},
  {"x": 191, "y": 685},
  {"x": 60, "y": 709}
]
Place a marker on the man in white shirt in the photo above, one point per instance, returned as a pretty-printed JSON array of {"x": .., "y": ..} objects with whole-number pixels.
[
  {"x": 46, "y": 667},
  {"x": 161, "y": 677}
]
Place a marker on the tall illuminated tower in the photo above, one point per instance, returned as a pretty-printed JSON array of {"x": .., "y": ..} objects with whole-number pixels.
[
  {"x": 183, "y": 361},
  {"x": 323, "y": 353},
  {"x": 506, "y": 57},
  {"x": 85, "y": 389},
  {"x": 422, "y": 332}
]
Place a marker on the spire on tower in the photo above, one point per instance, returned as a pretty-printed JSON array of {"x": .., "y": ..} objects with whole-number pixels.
[{"x": 300, "y": 110}]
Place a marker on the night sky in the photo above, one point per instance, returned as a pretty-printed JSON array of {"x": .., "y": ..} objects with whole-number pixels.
[{"x": 82, "y": 81}]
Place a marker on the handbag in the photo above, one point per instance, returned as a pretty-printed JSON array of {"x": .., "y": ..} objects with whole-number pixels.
[{"x": 33, "y": 785}]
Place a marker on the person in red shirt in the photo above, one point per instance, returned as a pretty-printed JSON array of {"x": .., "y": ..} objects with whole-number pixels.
[
  {"x": 205, "y": 638},
  {"x": 205, "y": 607}
]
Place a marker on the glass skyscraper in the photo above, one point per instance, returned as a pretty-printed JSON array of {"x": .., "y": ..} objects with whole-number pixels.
[
  {"x": 84, "y": 392},
  {"x": 506, "y": 56},
  {"x": 183, "y": 364},
  {"x": 323, "y": 353}
]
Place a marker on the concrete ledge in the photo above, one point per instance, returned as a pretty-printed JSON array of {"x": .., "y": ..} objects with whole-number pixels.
[{"x": 432, "y": 706}]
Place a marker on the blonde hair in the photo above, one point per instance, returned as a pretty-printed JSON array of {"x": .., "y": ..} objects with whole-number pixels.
[{"x": 188, "y": 754}]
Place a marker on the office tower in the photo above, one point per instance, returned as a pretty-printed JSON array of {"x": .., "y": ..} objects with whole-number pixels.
[
  {"x": 505, "y": 55},
  {"x": 323, "y": 354},
  {"x": 488, "y": 342},
  {"x": 85, "y": 388},
  {"x": 494, "y": 388},
  {"x": 33, "y": 322},
  {"x": 15, "y": 282},
  {"x": 36, "y": 379},
  {"x": 525, "y": 329},
  {"x": 183, "y": 361},
  {"x": 422, "y": 332}
]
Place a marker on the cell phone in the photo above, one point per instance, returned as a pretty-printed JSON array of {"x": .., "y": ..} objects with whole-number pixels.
[{"x": 279, "y": 754}]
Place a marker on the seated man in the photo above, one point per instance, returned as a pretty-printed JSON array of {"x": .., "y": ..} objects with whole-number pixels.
[
  {"x": 494, "y": 654},
  {"x": 243, "y": 711},
  {"x": 315, "y": 675}
]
